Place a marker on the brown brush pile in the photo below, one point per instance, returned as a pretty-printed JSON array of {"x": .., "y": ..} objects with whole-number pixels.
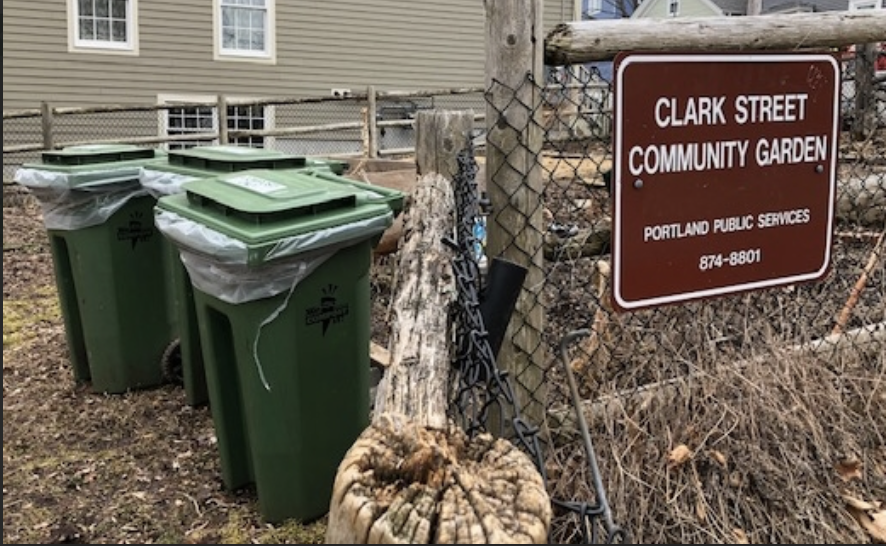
[{"x": 787, "y": 450}]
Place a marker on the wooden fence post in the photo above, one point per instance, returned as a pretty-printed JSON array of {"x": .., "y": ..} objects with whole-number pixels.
[
  {"x": 439, "y": 136},
  {"x": 372, "y": 121},
  {"x": 515, "y": 229},
  {"x": 222, "y": 109},
  {"x": 46, "y": 124},
  {"x": 365, "y": 144}
]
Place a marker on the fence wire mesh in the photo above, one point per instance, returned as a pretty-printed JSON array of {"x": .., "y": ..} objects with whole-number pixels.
[{"x": 702, "y": 375}]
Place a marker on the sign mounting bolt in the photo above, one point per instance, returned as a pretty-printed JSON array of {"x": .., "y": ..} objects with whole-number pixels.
[
  {"x": 638, "y": 183},
  {"x": 819, "y": 169}
]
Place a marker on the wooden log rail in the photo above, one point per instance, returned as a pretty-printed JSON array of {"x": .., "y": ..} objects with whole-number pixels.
[{"x": 599, "y": 40}]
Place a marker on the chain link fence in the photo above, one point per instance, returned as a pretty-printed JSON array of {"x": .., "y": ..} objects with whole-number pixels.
[
  {"x": 320, "y": 126},
  {"x": 712, "y": 416}
]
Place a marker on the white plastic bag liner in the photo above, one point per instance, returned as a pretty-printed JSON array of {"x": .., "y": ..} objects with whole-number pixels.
[
  {"x": 160, "y": 183},
  {"x": 84, "y": 205},
  {"x": 217, "y": 263}
]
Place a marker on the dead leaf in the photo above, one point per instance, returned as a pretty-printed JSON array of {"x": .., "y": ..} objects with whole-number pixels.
[
  {"x": 878, "y": 519},
  {"x": 849, "y": 469},
  {"x": 719, "y": 457},
  {"x": 872, "y": 522},
  {"x": 740, "y": 537},
  {"x": 679, "y": 455},
  {"x": 860, "y": 504}
]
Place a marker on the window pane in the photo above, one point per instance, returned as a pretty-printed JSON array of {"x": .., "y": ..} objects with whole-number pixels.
[
  {"x": 174, "y": 121},
  {"x": 242, "y": 39},
  {"x": 118, "y": 9},
  {"x": 258, "y": 20},
  {"x": 103, "y": 30},
  {"x": 229, "y": 38},
  {"x": 102, "y": 8},
  {"x": 227, "y": 17},
  {"x": 258, "y": 123},
  {"x": 206, "y": 122},
  {"x": 119, "y": 30},
  {"x": 258, "y": 40},
  {"x": 242, "y": 18},
  {"x": 87, "y": 29},
  {"x": 85, "y": 8},
  {"x": 205, "y": 111}
]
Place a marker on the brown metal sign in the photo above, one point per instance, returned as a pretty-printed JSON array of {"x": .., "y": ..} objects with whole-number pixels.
[{"x": 724, "y": 173}]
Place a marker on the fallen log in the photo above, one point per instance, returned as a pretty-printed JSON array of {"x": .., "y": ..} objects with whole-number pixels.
[
  {"x": 413, "y": 476},
  {"x": 590, "y": 241}
]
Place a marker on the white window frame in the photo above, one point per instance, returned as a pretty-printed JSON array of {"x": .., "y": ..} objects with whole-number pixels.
[
  {"x": 76, "y": 45},
  {"x": 862, "y": 5},
  {"x": 676, "y": 6},
  {"x": 594, "y": 7},
  {"x": 269, "y": 55},
  {"x": 172, "y": 98}
]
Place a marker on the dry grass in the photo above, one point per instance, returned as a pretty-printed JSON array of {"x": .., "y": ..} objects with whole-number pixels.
[{"x": 748, "y": 443}]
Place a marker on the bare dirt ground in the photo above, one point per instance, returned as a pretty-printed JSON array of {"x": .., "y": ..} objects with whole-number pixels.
[{"x": 80, "y": 467}]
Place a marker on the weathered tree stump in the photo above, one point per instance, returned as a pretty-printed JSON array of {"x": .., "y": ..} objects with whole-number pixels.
[
  {"x": 413, "y": 477},
  {"x": 402, "y": 483}
]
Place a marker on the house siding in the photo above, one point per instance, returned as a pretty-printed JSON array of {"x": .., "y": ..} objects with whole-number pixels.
[
  {"x": 688, "y": 8},
  {"x": 392, "y": 44},
  {"x": 320, "y": 45}
]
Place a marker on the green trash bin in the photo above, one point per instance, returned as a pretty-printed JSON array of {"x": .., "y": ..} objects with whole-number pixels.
[
  {"x": 109, "y": 262},
  {"x": 183, "y": 361},
  {"x": 280, "y": 263}
]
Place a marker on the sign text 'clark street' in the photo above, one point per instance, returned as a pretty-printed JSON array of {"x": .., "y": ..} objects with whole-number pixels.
[{"x": 725, "y": 169}]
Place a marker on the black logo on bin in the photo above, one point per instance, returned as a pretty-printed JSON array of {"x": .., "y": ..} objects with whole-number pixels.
[
  {"x": 329, "y": 311},
  {"x": 136, "y": 230}
]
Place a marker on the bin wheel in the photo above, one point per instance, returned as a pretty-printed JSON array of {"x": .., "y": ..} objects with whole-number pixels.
[{"x": 171, "y": 363}]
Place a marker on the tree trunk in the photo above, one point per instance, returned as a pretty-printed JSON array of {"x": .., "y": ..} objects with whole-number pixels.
[
  {"x": 412, "y": 477},
  {"x": 416, "y": 382}
]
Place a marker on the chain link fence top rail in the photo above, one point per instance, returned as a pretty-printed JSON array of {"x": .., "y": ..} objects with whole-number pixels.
[{"x": 719, "y": 359}]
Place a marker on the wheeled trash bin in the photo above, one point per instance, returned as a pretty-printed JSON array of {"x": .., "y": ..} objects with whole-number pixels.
[
  {"x": 110, "y": 266},
  {"x": 182, "y": 363},
  {"x": 280, "y": 263}
]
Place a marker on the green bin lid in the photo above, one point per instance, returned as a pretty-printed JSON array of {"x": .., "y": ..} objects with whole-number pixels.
[
  {"x": 264, "y": 206},
  {"x": 234, "y": 158},
  {"x": 393, "y": 198},
  {"x": 90, "y": 154},
  {"x": 111, "y": 166}
]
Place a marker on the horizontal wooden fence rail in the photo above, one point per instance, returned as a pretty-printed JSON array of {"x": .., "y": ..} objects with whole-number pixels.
[
  {"x": 369, "y": 125},
  {"x": 354, "y": 97},
  {"x": 588, "y": 41}
]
